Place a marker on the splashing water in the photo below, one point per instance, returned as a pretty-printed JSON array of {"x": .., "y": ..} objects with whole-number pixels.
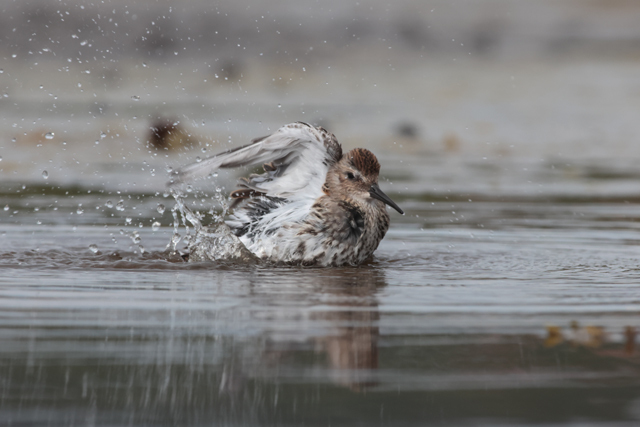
[
  {"x": 175, "y": 238},
  {"x": 218, "y": 243},
  {"x": 208, "y": 243}
]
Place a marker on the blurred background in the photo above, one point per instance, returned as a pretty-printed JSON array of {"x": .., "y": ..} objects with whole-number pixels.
[{"x": 94, "y": 90}]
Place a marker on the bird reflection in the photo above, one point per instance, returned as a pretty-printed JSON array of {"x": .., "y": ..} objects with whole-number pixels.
[
  {"x": 352, "y": 346},
  {"x": 349, "y": 316}
]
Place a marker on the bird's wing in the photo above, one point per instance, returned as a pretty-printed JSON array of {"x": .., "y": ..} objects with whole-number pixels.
[{"x": 297, "y": 158}]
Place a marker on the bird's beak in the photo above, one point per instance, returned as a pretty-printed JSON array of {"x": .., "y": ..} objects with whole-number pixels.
[{"x": 377, "y": 193}]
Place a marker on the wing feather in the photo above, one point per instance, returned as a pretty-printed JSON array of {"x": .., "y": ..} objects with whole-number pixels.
[{"x": 299, "y": 156}]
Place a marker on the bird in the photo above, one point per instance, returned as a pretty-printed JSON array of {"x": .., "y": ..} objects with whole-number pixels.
[{"x": 313, "y": 206}]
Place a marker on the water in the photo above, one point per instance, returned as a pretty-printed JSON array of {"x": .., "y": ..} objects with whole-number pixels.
[
  {"x": 507, "y": 294},
  {"x": 470, "y": 311}
]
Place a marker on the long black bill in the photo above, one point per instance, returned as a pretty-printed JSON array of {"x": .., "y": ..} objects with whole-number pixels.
[{"x": 377, "y": 193}]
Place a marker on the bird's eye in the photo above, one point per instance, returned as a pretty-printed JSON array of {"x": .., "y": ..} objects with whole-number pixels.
[{"x": 350, "y": 175}]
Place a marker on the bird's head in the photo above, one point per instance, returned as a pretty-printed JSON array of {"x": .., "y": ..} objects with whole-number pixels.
[{"x": 355, "y": 178}]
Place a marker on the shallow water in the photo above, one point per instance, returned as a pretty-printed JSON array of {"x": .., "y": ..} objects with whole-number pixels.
[
  {"x": 477, "y": 309},
  {"x": 507, "y": 294}
]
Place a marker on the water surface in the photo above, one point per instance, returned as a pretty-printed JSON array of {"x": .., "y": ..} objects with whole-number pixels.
[{"x": 470, "y": 312}]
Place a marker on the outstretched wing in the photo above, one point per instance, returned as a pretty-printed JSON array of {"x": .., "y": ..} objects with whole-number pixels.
[{"x": 297, "y": 157}]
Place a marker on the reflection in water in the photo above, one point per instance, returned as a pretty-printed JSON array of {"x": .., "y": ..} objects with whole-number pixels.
[
  {"x": 193, "y": 355},
  {"x": 597, "y": 339},
  {"x": 251, "y": 345},
  {"x": 352, "y": 348},
  {"x": 442, "y": 328},
  {"x": 346, "y": 344}
]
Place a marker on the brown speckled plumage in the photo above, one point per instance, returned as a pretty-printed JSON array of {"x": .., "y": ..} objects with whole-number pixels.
[{"x": 313, "y": 205}]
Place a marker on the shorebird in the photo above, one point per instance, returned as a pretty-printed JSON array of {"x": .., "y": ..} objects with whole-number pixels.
[{"x": 313, "y": 205}]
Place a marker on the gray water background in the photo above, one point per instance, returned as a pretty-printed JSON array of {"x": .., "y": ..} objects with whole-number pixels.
[{"x": 507, "y": 295}]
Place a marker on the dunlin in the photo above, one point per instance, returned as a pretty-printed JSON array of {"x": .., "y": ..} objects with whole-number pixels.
[{"x": 313, "y": 205}]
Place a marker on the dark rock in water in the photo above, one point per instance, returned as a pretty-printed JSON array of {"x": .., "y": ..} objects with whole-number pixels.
[
  {"x": 218, "y": 243},
  {"x": 169, "y": 135},
  {"x": 407, "y": 130}
]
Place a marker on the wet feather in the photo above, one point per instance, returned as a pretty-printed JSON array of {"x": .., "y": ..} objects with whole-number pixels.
[{"x": 312, "y": 205}]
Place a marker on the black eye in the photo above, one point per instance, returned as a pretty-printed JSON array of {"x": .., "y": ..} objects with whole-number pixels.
[{"x": 350, "y": 175}]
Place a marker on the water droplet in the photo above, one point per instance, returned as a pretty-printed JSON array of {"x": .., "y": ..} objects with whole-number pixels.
[
  {"x": 45, "y": 174},
  {"x": 279, "y": 106},
  {"x": 198, "y": 159},
  {"x": 144, "y": 64},
  {"x": 155, "y": 226},
  {"x": 128, "y": 220},
  {"x": 189, "y": 188},
  {"x": 6, "y": 207},
  {"x": 103, "y": 135},
  {"x": 83, "y": 43},
  {"x": 160, "y": 208},
  {"x": 80, "y": 210},
  {"x": 49, "y": 135},
  {"x": 120, "y": 205},
  {"x": 0, "y": 158},
  {"x": 93, "y": 248},
  {"x": 1, "y": 71},
  {"x": 97, "y": 141},
  {"x": 109, "y": 204},
  {"x": 135, "y": 98}
]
